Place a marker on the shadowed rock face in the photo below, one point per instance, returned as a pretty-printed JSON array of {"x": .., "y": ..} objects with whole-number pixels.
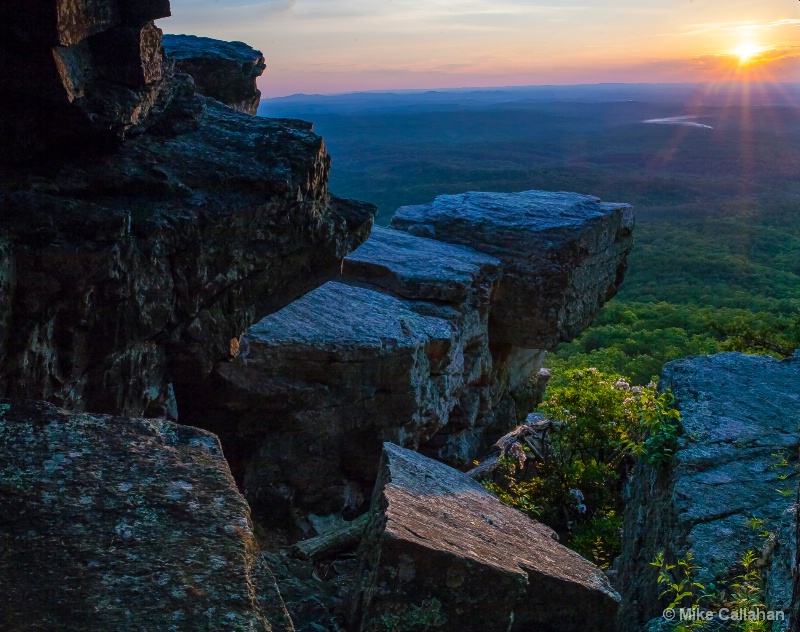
[
  {"x": 136, "y": 268},
  {"x": 74, "y": 71},
  {"x": 442, "y": 549},
  {"x": 111, "y": 523},
  {"x": 225, "y": 71},
  {"x": 127, "y": 268},
  {"x": 739, "y": 415}
]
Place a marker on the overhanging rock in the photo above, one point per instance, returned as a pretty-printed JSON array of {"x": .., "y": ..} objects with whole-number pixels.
[
  {"x": 440, "y": 549},
  {"x": 563, "y": 256}
]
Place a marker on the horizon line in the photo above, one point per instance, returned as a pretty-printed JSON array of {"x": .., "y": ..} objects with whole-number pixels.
[{"x": 521, "y": 87}]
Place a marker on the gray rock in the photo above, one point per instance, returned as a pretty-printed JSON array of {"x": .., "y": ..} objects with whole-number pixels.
[
  {"x": 111, "y": 523},
  {"x": 319, "y": 385},
  {"x": 442, "y": 552},
  {"x": 780, "y": 558},
  {"x": 739, "y": 416},
  {"x": 423, "y": 269},
  {"x": 138, "y": 268},
  {"x": 563, "y": 256},
  {"x": 225, "y": 71}
]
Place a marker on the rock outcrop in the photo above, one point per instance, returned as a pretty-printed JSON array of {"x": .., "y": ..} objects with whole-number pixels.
[
  {"x": 731, "y": 480},
  {"x": 111, "y": 523},
  {"x": 128, "y": 269},
  {"x": 442, "y": 553},
  {"x": 403, "y": 346},
  {"x": 225, "y": 71},
  {"x": 563, "y": 254}
]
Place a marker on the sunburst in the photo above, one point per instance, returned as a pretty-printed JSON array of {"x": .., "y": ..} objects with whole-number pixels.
[{"x": 747, "y": 53}]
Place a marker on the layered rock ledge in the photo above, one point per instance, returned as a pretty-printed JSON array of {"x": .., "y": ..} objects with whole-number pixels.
[
  {"x": 403, "y": 346},
  {"x": 442, "y": 552},
  {"x": 111, "y": 523},
  {"x": 151, "y": 232},
  {"x": 736, "y": 465}
]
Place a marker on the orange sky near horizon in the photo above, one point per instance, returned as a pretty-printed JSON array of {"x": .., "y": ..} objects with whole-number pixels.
[{"x": 334, "y": 46}]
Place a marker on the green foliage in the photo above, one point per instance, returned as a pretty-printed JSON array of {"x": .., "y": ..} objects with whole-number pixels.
[
  {"x": 637, "y": 339},
  {"x": 747, "y": 593},
  {"x": 599, "y": 539},
  {"x": 680, "y": 587},
  {"x": 602, "y": 425},
  {"x": 743, "y": 594}
]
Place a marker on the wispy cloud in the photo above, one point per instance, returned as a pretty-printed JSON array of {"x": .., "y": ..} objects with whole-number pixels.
[{"x": 745, "y": 25}]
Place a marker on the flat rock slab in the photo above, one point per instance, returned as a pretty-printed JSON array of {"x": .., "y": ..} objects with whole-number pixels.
[
  {"x": 319, "y": 385},
  {"x": 563, "y": 255},
  {"x": 422, "y": 269},
  {"x": 442, "y": 551},
  {"x": 736, "y": 462},
  {"x": 110, "y": 523}
]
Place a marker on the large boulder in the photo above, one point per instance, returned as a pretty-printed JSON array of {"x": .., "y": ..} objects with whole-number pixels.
[
  {"x": 111, "y": 523},
  {"x": 729, "y": 482},
  {"x": 396, "y": 349},
  {"x": 225, "y": 71},
  {"x": 563, "y": 254},
  {"x": 442, "y": 553}
]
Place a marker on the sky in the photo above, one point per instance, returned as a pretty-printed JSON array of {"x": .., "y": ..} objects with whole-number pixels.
[{"x": 336, "y": 46}]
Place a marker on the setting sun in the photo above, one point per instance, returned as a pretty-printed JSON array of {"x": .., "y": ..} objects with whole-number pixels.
[{"x": 746, "y": 52}]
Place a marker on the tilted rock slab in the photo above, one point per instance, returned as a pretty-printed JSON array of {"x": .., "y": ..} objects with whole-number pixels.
[
  {"x": 442, "y": 551},
  {"x": 110, "y": 523},
  {"x": 563, "y": 254},
  {"x": 739, "y": 415},
  {"x": 225, "y": 71}
]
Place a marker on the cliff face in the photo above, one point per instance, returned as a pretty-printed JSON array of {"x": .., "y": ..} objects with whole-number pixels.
[
  {"x": 734, "y": 465},
  {"x": 164, "y": 255},
  {"x": 128, "y": 269}
]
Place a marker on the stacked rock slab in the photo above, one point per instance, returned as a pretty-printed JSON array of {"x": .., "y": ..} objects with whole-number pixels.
[
  {"x": 225, "y": 71},
  {"x": 112, "y": 523},
  {"x": 733, "y": 470},
  {"x": 318, "y": 386},
  {"x": 401, "y": 347},
  {"x": 441, "y": 553},
  {"x": 127, "y": 269}
]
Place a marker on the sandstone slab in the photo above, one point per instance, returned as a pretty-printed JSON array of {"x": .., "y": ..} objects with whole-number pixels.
[
  {"x": 111, "y": 523},
  {"x": 439, "y": 549},
  {"x": 734, "y": 465},
  {"x": 563, "y": 256}
]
